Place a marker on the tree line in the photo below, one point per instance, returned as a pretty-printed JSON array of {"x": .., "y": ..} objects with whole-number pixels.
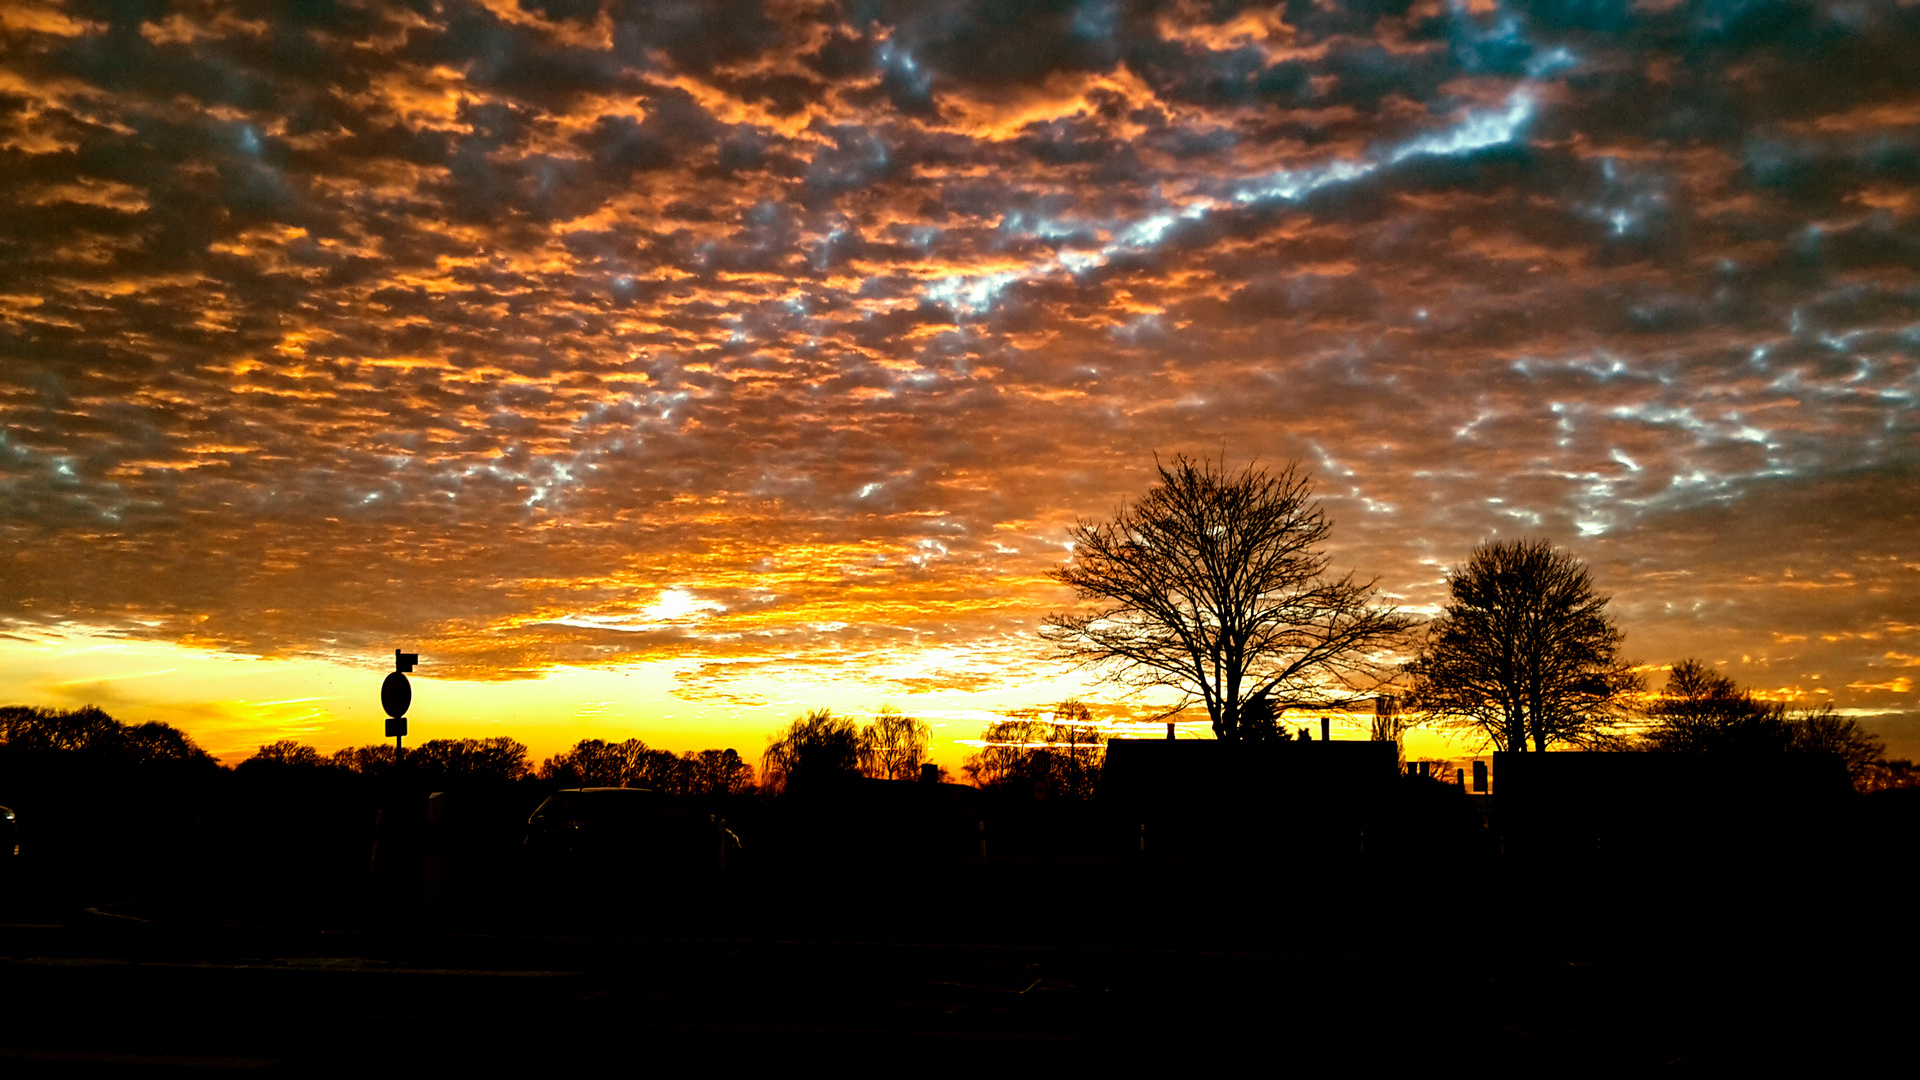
[
  {"x": 631, "y": 763},
  {"x": 1704, "y": 711},
  {"x": 588, "y": 763},
  {"x": 1216, "y": 585},
  {"x": 1063, "y": 749},
  {"x": 89, "y": 731},
  {"x": 1059, "y": 748},
  {"x": 497, "y": 758}
]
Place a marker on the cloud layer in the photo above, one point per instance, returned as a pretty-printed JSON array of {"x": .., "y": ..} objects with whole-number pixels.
[{"x": 794, "y": 333}]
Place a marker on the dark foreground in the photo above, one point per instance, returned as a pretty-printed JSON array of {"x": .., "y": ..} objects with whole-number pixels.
[{"x": 956, "y": 965}]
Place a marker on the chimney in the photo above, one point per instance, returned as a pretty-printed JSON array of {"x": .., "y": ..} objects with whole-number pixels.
[
  {"x": 929, "y": 773},
  {"x": 1169, "y": 729},
  {"x": 1326, "y": 730}
]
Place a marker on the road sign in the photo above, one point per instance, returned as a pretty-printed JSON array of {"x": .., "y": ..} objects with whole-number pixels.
[{"x": 396, "y": 694}]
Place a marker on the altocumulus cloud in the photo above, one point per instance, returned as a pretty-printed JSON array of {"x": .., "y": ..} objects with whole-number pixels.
[{"x": 793, "y": 333}]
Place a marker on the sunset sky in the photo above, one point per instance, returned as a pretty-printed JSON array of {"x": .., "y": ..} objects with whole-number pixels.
[{"x": 662, "y": 370}]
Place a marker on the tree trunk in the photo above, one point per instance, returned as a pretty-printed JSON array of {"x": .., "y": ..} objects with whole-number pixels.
[{"x": 1516, "y": 732}]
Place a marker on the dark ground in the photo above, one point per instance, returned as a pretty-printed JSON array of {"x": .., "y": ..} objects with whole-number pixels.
[{"x": 952, "y": 964}]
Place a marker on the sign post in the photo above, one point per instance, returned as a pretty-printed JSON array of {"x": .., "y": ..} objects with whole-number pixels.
[{"x": 396, "y": 694}]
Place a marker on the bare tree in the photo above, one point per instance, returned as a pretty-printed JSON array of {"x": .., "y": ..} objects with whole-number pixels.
[
  {"x": 1215, "y": 585},
  {"x": 894, "y": 745},
  {"x": 1391, "y": 722},
  {"x": 289, "y": 752},
  {"x": 1822, "y": 730},
  {"x": 1062, "y": 755},
  {"x": 1524, "y": 650},
  {"x": 497, "y": 758},
  {"x": 631, "y": 763},
  {"x": 369, "y": 759},
  {"x": 596, "y": 763}
]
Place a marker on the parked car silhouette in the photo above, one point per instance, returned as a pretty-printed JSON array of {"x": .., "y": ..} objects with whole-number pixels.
[{"x": 618, "y": 831}]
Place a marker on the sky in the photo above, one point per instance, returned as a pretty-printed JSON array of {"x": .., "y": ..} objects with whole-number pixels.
[{"x": 663, "y": 370}]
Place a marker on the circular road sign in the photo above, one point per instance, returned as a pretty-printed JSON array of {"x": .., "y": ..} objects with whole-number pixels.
[{"x": 396, "y": 694}]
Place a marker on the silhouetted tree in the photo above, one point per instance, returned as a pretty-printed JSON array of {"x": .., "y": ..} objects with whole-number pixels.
[
  {"x": 1064, "y": 753},
  {"x": 661, "y": 770},
  {"x": 155, "y": 741},
  {"x": 369, "y": 759},
  {"x": 1391, "y": 722},
  {"x": 815, "y": 749},
  {"x": 631, "y": 763},
  {"x": 1215, "y": 586},
  {"x": 597, "y": 763},
  {"x": 1524, "y": 650},
  {"x": 497, "y": 758},
  {"x": 1006, "y": 752},
  {"x": 27, "y": 727},
  {"x": 288, "y": 752},
  {"x": 894, "y": 745},
  {"x": 90, "y": 730},
  {"x": 1824, "y": 731},
  {"x": 107, "y": 800},
  {"x": 1703, "y": 711},
  {"x": 718, "y": 772}
]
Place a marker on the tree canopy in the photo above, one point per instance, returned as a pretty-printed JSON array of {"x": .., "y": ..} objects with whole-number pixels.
[
  {"x": 1524, "y": 650},
  {"x": 894, "y": 745},
  {"x": 1216, "y": 585},
  {"x": 821, "y": 747},
  {"x": 496, "y": 758},
  {"x": 1704, "y": 711},
  {"x": 815, "y": 749},
  {"x": 90, "y": 730},
  {"x": 631, "y": 763}
]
